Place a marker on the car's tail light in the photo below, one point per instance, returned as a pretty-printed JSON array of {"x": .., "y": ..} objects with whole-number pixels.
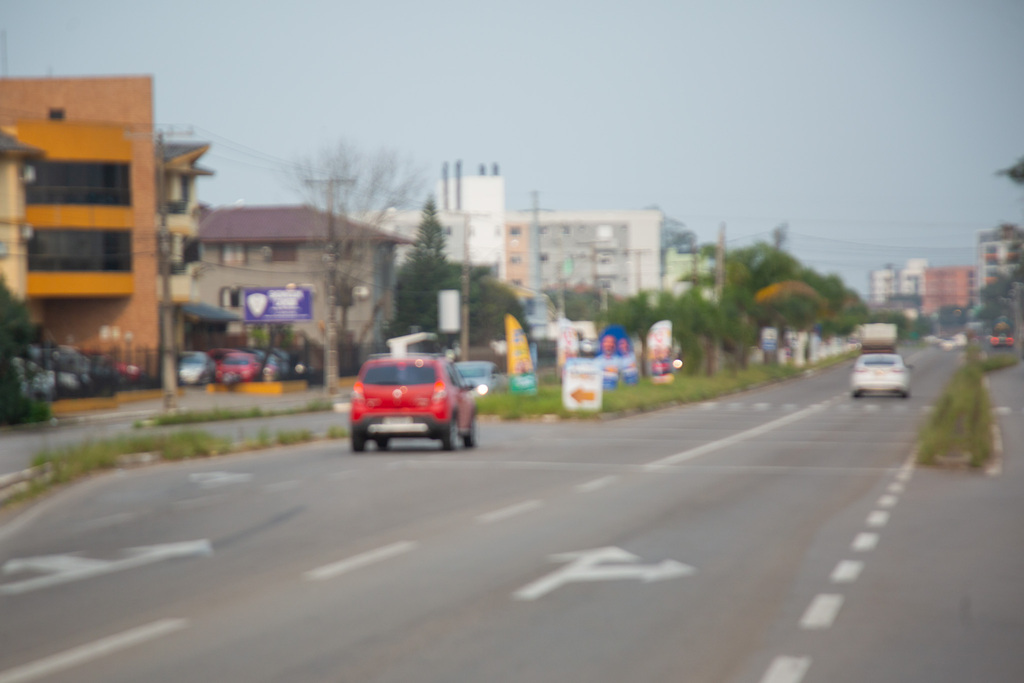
[
  {"x": 440, "y": 392},
  {"x": 861, "y": 369},
  {"x": 993, "y": 340},
  {"x": 1009, "y": 340},
  {"x": 357, "y": 393},
  {"x": 897, "y": 370}
]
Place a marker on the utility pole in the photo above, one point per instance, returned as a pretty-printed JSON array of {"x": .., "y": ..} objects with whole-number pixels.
[
  {"x": 169, "y": 370},
  {"x": 539, "y": 306},
  {"x": 720, "y": 263},
  {"x": 330, "y": 259},
  {"x": 464, "y": 333}
]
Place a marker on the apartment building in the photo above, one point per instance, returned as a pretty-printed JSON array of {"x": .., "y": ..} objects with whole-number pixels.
[
  {"x": 948, "y": 286},
  {"x": 88, "y": 181},
  {"x": 998, "y": 254}
]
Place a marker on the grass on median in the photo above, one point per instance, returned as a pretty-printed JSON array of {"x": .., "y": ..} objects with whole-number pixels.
[
  {"x": 959, "y": 429},
  {"x": 219, "y": 414},
  {"x": 642, "y": 396}
]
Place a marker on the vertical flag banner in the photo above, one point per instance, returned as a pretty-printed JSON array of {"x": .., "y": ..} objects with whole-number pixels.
[
  {"x": 659, "y": 352},
  {"x": 568, "y": 343},
  {"x": 521, "y": 377}
]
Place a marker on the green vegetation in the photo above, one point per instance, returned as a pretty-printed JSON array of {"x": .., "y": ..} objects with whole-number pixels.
[
  {"x": 642, "y": 396},
  {"x": 218, "y": 414},
  {"x": 15, "y": 333},
  {"x": 959, "y": 429}
]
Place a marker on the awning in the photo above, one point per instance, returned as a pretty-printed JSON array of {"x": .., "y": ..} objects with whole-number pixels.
[{"x": 208, "y": 313}]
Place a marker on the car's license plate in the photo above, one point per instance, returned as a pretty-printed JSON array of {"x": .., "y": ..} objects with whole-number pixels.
[{"x": 398, "y": 420}]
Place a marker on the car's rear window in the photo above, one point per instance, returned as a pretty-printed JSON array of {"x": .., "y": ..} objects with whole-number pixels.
[
  {"x": 403, "y": 374},
  {"x": 879, "y": 360}
]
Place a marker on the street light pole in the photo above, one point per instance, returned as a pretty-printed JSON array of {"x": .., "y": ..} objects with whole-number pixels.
[{"x": 169, "y": 370}]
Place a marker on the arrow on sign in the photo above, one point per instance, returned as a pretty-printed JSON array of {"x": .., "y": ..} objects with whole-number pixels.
[
  {"x": 592, "y": 565},
  {"x": 58, "y": 569},
  {"x": 581, "y": 396}
]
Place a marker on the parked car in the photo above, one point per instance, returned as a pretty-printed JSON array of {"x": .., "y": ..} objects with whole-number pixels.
[
  {"x": 237, "y": 366},
  {"x": 880, "y": 373},
  {"x": 483, "y": 374},
  {"x": 196, "y": 367},
  {"x": 412, "y": 397}
]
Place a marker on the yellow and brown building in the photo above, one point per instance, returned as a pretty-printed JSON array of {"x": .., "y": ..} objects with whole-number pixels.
[{"x": 88, "y": 214}]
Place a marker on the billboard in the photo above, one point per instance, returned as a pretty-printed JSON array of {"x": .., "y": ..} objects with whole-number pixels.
[{"x": 278, "y": 305}]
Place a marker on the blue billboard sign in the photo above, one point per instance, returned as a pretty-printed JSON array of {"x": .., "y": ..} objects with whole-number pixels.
[{"x": 278, "y": 305}]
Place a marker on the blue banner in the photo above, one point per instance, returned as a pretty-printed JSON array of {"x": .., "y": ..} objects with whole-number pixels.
[{"x": 278, "y": 305}]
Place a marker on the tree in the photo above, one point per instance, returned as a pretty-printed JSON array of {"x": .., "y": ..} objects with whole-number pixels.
[
  {"x": 426, "y": 272},
  {"x": 489, "y": 301},
  {"x": 15, "y": 335},
  {"x": 1015, "y": 173},
  {"x": 352, "y": 189}
]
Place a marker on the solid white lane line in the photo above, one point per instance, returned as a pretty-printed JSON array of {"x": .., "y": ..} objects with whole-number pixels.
[
  {"x": 329, "y": 571},
  {"x": 822, "y": 611},
  {"x": 596, "y": 484},
  {"x": 847, "y": 571},
  {"x": 787, "y": 670},
  {"x": 864, "y": 542},
  {"x": 887, "y": 501},
  {"x": 85, "y": 653},
  {"x": 878, "y": 518},
  {"x": 510, "y": 511},
  {"x": 730, "y": 440}
]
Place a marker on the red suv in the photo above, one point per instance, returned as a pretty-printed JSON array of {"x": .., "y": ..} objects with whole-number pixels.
[{"x": 417, "y": 397}]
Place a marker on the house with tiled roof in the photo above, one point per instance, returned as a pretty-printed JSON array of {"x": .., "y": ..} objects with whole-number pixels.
[{"x": 280, "y": 246}]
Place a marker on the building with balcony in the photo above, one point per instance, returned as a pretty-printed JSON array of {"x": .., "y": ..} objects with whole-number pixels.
[
  {"x": 90, "y": 190},
  {"x": 998, "y": 254}
]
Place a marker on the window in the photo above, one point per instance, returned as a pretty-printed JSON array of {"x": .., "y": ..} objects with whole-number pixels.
[
  {"x": 232, "y": 255},
  {"x": 515, "y": 231},
  {"x": 230, "y": 297},
  {"x": 56, "y": 114},
  {"x": 64, "y": 182},
  {"x": 516, "y": 258},
  {"x": 566, "y": 229},
  {"x": 80, "y": 250},
  {"x": 284, "y": 253},
  {"x": 543, "y": 258}
]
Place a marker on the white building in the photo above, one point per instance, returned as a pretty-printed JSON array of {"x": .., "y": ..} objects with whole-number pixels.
[{"x": 998, "y": 254}]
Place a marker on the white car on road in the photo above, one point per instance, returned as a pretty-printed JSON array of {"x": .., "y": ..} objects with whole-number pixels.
[{"x": 880, "y": 373}]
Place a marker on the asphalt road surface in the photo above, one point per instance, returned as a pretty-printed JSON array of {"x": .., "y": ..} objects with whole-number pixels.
[{"x": 776, "y": 536}]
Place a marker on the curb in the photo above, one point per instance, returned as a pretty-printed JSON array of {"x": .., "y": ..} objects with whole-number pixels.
[{"x": 17, "y": 482}]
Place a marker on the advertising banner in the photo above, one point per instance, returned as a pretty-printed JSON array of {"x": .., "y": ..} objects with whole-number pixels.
[
  {"x": 581, "y": 384},
  {"x": 616, "y": 358},
  {"x": 521, "y": 377},
  {"x": 659, "y": 352},
  {"x": 278, "y": 305},
  {"x": 568, "y": 342}
]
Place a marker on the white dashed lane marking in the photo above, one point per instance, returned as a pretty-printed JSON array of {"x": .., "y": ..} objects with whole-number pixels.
[
  {"x": 864, "y": 542},
  {"x": 847, "y": 571},
  {"x": 822, "y": 611}
]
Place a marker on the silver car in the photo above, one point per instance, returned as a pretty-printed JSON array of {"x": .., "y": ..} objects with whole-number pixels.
[{"x": 880, "y": 373}]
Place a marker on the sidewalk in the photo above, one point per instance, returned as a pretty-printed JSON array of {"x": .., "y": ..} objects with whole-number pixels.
[{"x": 198, "y": 399}]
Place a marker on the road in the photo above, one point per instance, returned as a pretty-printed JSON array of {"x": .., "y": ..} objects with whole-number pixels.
[{"x": 775, "y": 536}]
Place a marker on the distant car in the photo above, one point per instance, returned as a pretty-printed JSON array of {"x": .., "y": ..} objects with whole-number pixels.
[
  {"x": 483, "y": 374},
  {"x": 196, "y": 367},
  {"x": 412, "y": 397},
  {"x": 1000, "y": 341},
  {"x": 237, "y": 366},
  {"x": 880, "y": 373}
]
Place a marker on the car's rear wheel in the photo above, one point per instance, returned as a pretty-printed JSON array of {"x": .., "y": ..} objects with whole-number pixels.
[
  {"x": 856, "y": 394},
  {"x": 469, "y": 440},
  {"x": 358, "y": 442},
  {"x": 450, "y": 438}
]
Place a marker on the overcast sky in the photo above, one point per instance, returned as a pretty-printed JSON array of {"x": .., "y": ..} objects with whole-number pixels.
[{"x": 872, "y": 128}]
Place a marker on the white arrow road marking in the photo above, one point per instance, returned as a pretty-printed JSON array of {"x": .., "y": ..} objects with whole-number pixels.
[
  {"x": 59, "y": 569},
  {"x": 85, "y": 653},
  {"x": 586, "y": 565},
  {"x": 210, "y": 480}
]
